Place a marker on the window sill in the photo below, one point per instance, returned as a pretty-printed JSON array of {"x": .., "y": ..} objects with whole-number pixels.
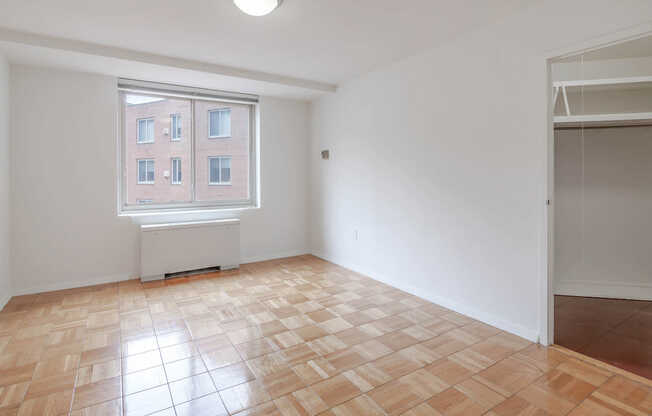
[
  {"x": 145, "y": 183},
  {"x": 220, "y": 184},
  {"x": 220, "y": 137},
  {"x": 187, "y": 214},
  {"x": 150, "y": 142}
]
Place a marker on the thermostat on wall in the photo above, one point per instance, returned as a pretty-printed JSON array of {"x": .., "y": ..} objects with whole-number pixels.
[{"x": 325, "y": 154}]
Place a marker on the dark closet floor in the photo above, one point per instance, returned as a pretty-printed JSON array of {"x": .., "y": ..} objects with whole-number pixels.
[{"x": 616, "y": 331}]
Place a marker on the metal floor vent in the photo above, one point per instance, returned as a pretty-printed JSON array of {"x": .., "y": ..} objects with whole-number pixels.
[{"x": 193, "y": 272}]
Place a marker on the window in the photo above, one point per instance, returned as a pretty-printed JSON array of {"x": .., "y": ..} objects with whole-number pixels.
[
  {"x": 175, "y": 126},
  {"x": 219, "y": 123},
  {"x": 146, "y": 171},
  {"x": 146, "y": 130},
  {"x": 196, "y": 171},
  {"x": 176, "y": 171},
  {"x": 219, "y": 170}
]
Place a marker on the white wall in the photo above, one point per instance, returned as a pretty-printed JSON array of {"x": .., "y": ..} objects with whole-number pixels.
[
  {"x": 439, "y": 162},
  {"x": 5, "y": 186},
  {"x": 603, "y": 232},
  {"x": 66, "y": 230}
]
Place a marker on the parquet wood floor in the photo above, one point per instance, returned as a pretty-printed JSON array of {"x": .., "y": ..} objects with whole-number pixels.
[{"x": 296, "y": 336}]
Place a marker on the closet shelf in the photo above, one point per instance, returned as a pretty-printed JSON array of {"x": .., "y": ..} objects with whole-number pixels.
[
  {"x": 603, "y": 120},
  {"x": 605, "y": 81}
]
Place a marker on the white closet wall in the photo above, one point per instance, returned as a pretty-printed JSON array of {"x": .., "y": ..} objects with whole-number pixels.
[{"x": 603, "y": 212}]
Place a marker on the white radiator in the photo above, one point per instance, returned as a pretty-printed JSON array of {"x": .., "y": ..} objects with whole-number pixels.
[{"x": 181, "y": 247}]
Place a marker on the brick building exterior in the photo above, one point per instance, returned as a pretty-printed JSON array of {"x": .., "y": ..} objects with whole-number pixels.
[{"x": 159, "y": 131}]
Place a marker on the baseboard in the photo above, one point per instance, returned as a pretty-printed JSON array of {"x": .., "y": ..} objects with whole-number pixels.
[
  {"x": 274, "y": 256},
  {"x": 612, "y": 290},
  {"x": 451, "y": 304},
  {"x": 73, "y": 284},
  {"x": 4, "y": 299}
]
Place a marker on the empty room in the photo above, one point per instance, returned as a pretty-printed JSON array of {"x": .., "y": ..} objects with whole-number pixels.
[{"x": 325, "y": 207}]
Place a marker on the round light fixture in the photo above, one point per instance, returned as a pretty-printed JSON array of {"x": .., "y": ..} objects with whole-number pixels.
[{"x": 257, "y": 7}]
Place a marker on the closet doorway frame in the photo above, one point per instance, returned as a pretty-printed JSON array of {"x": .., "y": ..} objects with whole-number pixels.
[{"x": 547, "y": 286}]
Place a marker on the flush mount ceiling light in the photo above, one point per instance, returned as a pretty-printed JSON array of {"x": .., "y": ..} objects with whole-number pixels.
[{"x": 257, "y": 7}]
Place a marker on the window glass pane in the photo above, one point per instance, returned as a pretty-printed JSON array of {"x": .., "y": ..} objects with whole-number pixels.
[
  {"x": 142, "y": 181},
  {"x": 225, "y": 172},
  {"x": 214, "y": 170},
  {"x": 142, "y": 177},
  {"x": 233, "y": 172},
  {"x": 176, "y": 126}
]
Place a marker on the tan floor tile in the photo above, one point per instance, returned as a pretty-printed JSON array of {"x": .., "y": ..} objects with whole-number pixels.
[
  {"x": 328, "y": 344},
  {"x": 191, "y": 388},
  {"x": 546, "y": 400},
  {"x": 321, "y": 315},
  {"x": 15, "y": 375},
  {"x": 267, "y": 364},
  {"x": 335, "y": 325},
  {"x": 148, "y": 401},
  {"x": 367, "y": 377},
  {"x": 12, "y": 395},
  {"x": 286, "y": 339},
  {"x": 256, "y": 348},
  {"x": 360, "y": 406},
  {"x": 210, "y": 405},
  {"x": 221, "y": 358},
  {"x": 53, "y": 404},
  {"x": 99, "y": 372},
  {"x": 335, "y": 390},
  {"x": 345, "y": 359},
  {"x": 310, "y": 332},
  {"x": 516, "y": 406},
  {"x": 185, "y": 368},
  {"x": 301, "y": 402},
  {"x": 508, "y": 376},
  {"x": 231, "y": 375},
  {"x": 110, "y": 408},
  {"x": 95, "y": 393},
  {"x": 212, "y": 343},
  {"x": 395, "y": 365},
  {"x": 143, "y": 380},
  {"x": 178, "y": 352},
  {"x": 57, "y": 365},
  {"x": 139, "y": 345},
  {"x": 51, "y": 385},
  {"x": 314, "y": 371},
  {"x": 244, "y": 396},
  {"x": 281, "y": 383},
  {"x": 140, "y": 362},
  {"x": 564, "y": 385},
  {"x": 451, "y": 371}
]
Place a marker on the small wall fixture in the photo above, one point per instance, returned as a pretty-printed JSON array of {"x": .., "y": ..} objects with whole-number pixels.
[
  {"x": 325, "y": 154},
  {"x": 257, "y": 7}
]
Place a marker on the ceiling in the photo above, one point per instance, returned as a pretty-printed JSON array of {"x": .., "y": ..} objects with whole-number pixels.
[{"x": 329, "y": 41}]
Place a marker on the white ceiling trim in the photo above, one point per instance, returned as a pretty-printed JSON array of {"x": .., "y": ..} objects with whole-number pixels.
[{"x": 88, "y": 48}]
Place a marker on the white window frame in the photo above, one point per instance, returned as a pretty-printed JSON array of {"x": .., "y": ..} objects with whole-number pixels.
[
  {"x": 173, "y": 178},
  {"x": 146, "y": 119},
  {"x": 190, "y": 93},
  {"x": 173, "y": 136},
  {"x": 220, "y": 158},
  {"x": 219, "y": 110},
  {"x": 147, "y": 161}
]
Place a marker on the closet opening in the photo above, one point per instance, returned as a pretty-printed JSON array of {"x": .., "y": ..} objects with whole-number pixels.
[{"x": 602, "y": 233}]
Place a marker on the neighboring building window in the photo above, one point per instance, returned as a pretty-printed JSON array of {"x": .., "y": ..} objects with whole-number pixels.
[
  {"x": 175, "y": 124},
  {"x": 219, "y": 123},
  {"x": 146, "y": 171},
  {"x": 146, "y": 130},
  {"x": 219, "y": 170},
  {"x": 176, "y": 171}
]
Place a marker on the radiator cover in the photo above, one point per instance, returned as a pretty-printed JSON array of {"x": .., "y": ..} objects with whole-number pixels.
[{"x": 179, "y": 247}]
